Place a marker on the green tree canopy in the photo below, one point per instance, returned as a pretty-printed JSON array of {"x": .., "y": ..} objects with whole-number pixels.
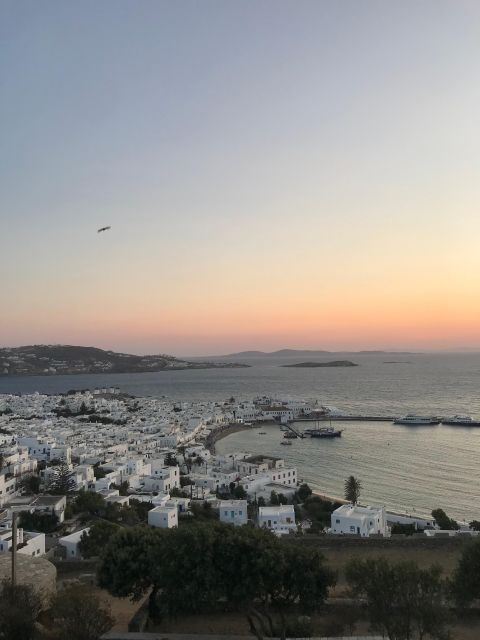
[
  {"x": 96, "y": 539},
  {"x": 79, "y": 615},
  {"x": 465, "y": 583},
  {"x": 42, "y": 522},
  {"x": 219, "y": 564},
  {"x": 443, "y": 521},
  {"x": 20, "y": 607},
  {"x": 89, "y": 502},
  {"x": 62, "y": 482},
  {"x": 239, "y": 493},
  {"x": 303, "y": 492},
  {"x": 30, "y": 483},
  {"x": 403, "y": 601}
]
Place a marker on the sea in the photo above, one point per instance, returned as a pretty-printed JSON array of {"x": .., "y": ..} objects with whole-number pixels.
[{"x": 407, "y": 469}]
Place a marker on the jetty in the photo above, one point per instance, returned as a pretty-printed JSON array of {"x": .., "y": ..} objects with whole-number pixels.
[
  {"x": 327, "y": 418},
  {"x": 298, "y": 434}
]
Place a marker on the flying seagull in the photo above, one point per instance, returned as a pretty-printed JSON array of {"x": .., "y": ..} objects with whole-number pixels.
[{"x": 103, "y": 229}]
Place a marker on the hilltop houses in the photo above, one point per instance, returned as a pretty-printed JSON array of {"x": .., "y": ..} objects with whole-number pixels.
[{"x": 126, "y": 448}]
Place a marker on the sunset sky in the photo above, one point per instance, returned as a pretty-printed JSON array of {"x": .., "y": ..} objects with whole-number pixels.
[{"x": 276, "y": 174}]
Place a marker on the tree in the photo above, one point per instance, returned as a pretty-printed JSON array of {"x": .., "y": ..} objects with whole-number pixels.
[
  {"x": 353, "y": 486},
  {"x": 96, "y": 539},
  {"x": 403, "y": 529},
  {"x": 239, "y": 493},
  {"x": 20, "y": 607},
  {"x": 30, "y": 483},
  {"x": 274, "y": 498},
  {"x": 403, "y": 601},
  {"x": 126, "y": 569},
  {"x": 304, "y": 492},
  {"x": 98, "y": 471},
  {"x": 62, "y": 482},
  {"x": 443, "y": 521},
  {"x": 318, "y": 511},
  {"x": 89, "y": 502},
  {"x": 2, "y": 460},
  {"x": 465, "y": 584},
  {"x": 79, "y": 615},
  {"x": 240, "y": 567},
  {"x": 177, "y": 493},
  {"x": 43, "y": 522},
  {"x": 261, "y": 502},
  {"x": 170, "y": 460},
  {"x": 475, "y": 525}
]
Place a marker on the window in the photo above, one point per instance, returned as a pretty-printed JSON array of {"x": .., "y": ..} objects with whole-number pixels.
[
  {"x": 240, "y": 513},
  {"x": 337, "y": 521},
  {"x": 352, "y": 528}
]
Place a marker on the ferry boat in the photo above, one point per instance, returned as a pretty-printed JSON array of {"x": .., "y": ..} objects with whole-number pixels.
[
  {"x": 324, "y": 432},
  {"x": 413, "y": 420},
  {"x": 461, "y": 421}
]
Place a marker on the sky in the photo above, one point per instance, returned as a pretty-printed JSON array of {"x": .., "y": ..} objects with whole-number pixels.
[{"x": 276, "y": 173}]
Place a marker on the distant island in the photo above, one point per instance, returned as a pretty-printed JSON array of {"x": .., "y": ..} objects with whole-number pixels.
[
  {"x": 300, "y": 353},
  {"x": 333, "y": 363},
  {"x": 36, "y": 360}
]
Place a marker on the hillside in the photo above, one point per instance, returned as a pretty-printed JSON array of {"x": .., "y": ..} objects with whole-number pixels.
[{"x": 67, "y": 359}]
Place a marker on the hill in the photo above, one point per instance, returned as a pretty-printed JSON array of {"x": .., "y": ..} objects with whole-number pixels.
[{"x": 68, "y": 359}]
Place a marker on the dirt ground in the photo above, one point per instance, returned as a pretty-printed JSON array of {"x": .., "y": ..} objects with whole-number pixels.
[{"x": 337, "y": 559}]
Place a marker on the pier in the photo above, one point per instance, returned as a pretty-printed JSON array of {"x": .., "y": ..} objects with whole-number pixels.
[{"x": 328, "y": 418}]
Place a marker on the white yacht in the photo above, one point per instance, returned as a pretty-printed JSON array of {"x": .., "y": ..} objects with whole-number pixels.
[
  {"x": 413, "y": 420},
  {"x": 461, "y": 421}
]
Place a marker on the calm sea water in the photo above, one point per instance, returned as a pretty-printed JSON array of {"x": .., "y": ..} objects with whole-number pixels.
[{"x": 404, "y": 468}]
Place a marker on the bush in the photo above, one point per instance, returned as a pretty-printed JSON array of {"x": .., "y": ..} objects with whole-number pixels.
[
  {"x": 79, "y": 616},
  {"x": 42, "y": 522},
  {"x": 443, "y": 521}
]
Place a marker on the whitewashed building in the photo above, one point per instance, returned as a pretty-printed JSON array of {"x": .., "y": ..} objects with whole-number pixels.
[
  {"x": 233, "y": 511},
  {"x": 163, "y": 517},
  {"x": 352, "y": 519},
  {"x": 71, "y": 544},
  {"x": 279, "y": 519}
]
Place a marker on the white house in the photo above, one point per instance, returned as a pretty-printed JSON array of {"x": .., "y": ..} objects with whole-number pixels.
[
  {"x": 71, "y": 543},
  {"x": 163, "y": 517},
  {"x": 163, "y": 481},
  {"x": 350, "y": 519},
  {"x": 30, "y": 543},
  {"x": 233, "y": 511},
  {"x": 279, "y": 519}
]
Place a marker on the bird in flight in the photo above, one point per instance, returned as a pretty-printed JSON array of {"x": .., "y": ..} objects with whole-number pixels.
[{"x": 103, "y": 229}]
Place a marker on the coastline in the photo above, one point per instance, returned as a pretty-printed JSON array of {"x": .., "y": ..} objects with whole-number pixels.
[{"x": 222, "y": 432}]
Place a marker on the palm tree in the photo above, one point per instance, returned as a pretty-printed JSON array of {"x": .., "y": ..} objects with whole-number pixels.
[{"x": 353, "y": 486}]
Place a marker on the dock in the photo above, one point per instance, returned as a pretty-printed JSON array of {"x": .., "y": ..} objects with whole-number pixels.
[
  {"x": 299, "y": 434},
  {"x": 328, "y": 418}
]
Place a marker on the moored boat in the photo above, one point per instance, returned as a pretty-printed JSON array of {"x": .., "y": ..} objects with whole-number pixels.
[
  {"x": 324, "y": 432},
  {"x": 461, "y": 421},
  {"x": 414, "y": 420}
]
